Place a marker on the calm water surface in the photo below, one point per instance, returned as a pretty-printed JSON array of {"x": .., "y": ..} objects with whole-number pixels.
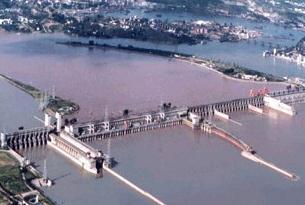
[
  {"x": 17, "y": 109},
  {"x": 107, "y": 78},
  {"x": 177, "y": 165}
]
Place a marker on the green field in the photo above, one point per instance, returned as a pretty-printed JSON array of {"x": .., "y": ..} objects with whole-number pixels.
[{"x": 10, "y": 174}]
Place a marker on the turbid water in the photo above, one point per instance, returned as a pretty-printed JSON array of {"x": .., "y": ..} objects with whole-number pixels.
[
  {"x": 17, "y": 109},
  {"x": 108, "y": 78},
  {"x": 178, "y": 166}
]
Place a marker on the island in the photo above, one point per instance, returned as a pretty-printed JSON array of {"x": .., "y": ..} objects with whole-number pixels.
[{"x": 230, "y": 70}]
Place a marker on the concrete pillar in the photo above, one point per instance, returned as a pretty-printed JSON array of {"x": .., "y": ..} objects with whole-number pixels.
[
  {"x": 69, "y": 129},
  {"x": 91, "y": 129},
  {"x": 3, "y": 140},
  {"x": 195, "y": 120},
  {"x": 59, "y": 122},
  {"x": 106, "y": 126},
  {"x": 148, "y": 119},
  {"x": 47, "y": 120},
  {"x": 162, "y": 115}
]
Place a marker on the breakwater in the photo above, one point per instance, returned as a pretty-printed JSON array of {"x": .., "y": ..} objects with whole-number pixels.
[{"x": 51, "y": 104}]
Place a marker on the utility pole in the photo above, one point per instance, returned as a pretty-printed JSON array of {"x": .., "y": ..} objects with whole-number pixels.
[
  {"x": 45, "y": 171},
  {"x": 53, "y": 92}
]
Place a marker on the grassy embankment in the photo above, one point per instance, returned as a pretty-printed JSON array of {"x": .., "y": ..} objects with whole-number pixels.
[
  {"x": 11, "y": 182},
  {"x": 63, "y": 106},
  {"x": 10, "y": 174}
]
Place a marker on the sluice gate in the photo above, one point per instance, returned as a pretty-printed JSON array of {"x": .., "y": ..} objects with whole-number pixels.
[{"x": 23, "y": 139}]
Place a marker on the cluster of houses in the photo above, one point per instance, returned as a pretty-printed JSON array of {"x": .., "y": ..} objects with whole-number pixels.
[{"x": 291, "y": 55}]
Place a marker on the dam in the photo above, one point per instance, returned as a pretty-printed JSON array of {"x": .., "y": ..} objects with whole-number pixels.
[
  {"x": 69, "y": 139},
  {"x": 89, "y": 159}
]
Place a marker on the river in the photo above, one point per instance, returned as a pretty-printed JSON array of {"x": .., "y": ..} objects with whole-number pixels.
[
  {"x": 248, "y": 53},
  {"x": 107, "y": 78},
  {"x": 178, "y": 166}
]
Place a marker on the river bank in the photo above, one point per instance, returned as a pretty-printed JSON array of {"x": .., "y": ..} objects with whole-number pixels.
[
  {"x": 231, "y": 70},
  {"x": 79, "y": 72},
  {"x": 15, "y": 181}
]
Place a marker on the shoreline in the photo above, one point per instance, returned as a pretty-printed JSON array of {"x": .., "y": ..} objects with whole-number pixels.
[
  {"x": 288, "y": 59},
  {"x": 233, "y": 72},
  {"x": 15, "y": 161},
  {"x": 230, "y": 77},
  {"x": 50, "y": 104}
]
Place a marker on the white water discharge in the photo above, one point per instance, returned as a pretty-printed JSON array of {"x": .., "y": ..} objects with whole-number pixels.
[{"x": 256, "y": 109}]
